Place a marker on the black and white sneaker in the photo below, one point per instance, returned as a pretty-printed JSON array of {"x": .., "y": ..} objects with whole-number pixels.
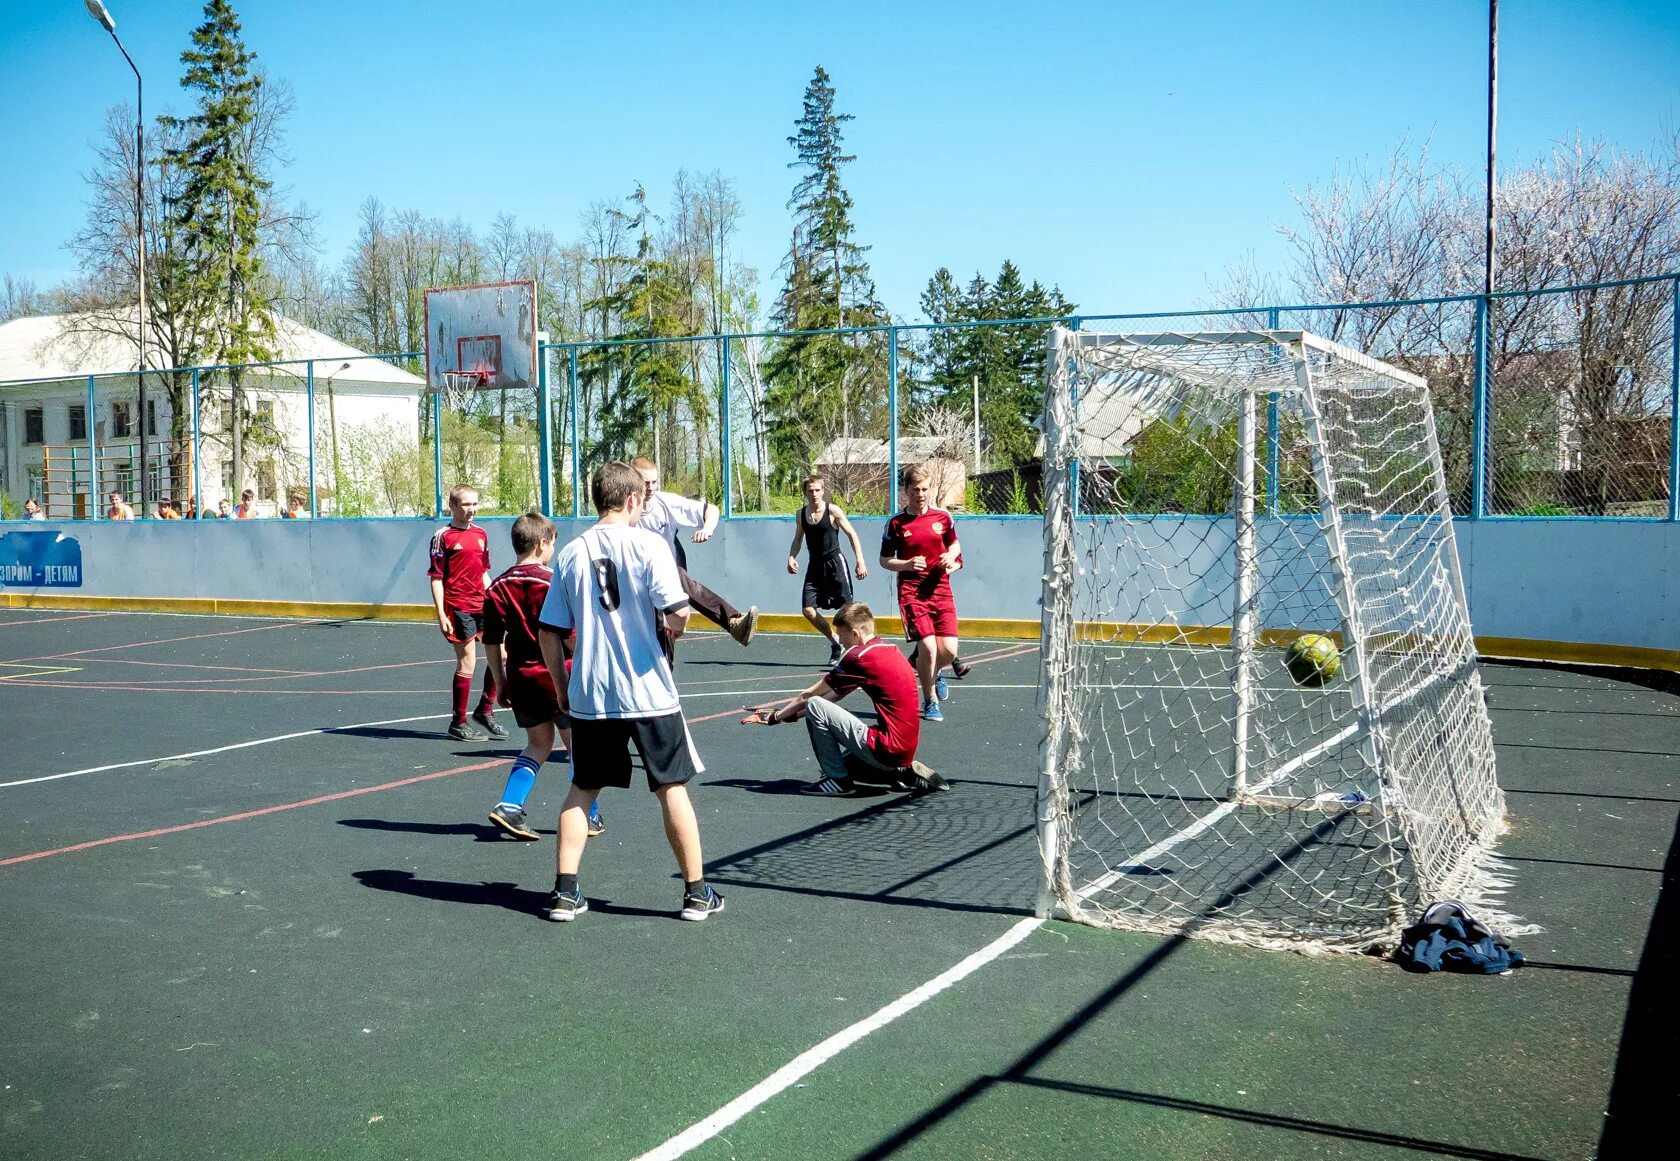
[
  {"x": 830, "y": 788},
  {"x": 463, "y": 732},
  {"x": 699, "y": 908},
  {"x": 923, "y": 779},
  {"x": 835, "y": 652},
  {"x": 960, "y": 668},
  {"x": 511, "y": 819},
  {"x": 565, "y": 908},
  {"x": 488, "y": 723}
]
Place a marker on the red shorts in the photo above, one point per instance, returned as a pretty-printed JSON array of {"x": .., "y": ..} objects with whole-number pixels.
[
  {"x": 531, "y": 696},
  {"x": 930, "y": 616}
]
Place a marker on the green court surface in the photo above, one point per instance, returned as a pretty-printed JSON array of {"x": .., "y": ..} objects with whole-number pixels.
[{"x": 252, "y": 908}]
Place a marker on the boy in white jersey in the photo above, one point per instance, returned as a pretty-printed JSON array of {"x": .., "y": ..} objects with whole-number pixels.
[{"x": 616, "y": 588}]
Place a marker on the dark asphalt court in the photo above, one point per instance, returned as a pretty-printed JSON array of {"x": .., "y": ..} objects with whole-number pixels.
[{"x": 317, "y": 946}]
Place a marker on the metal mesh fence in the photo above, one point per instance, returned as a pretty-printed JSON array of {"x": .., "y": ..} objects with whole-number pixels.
[{"x": 1570, "y": 391}]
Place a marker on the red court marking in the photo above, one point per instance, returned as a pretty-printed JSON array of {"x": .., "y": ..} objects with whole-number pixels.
[
  {"x": 48, "y": 620},
  {"x": 185, "y": 665},
  {"x": 316, "y": 801},
  {"x": 280, "y": 674},
  {"x": 186, "y": 826},
  {"x": 171, "y": 640}
]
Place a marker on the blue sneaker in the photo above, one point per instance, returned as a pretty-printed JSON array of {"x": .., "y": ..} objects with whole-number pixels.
[
  {"x": 941, "y": 691},
  {"x": 597, "y": 824},
  {"x": 931, "y": 712}
]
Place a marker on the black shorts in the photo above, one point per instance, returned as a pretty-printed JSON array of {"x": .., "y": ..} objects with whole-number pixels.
[
  {"x": 601, "y": 751},
  {"x": 468, "y": 626},
  {"x": 828, "y": 584}
]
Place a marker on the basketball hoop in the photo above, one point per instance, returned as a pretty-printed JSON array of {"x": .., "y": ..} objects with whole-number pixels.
[{"x": 466, "y": 380}]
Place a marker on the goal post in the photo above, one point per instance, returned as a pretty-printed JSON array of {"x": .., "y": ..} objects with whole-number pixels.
[{"x": 1197, "y": 774}]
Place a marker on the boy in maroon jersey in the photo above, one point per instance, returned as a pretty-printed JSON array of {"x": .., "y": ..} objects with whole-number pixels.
[
  {"x": 920, "y": 545},
  {"x": 460, "y": 572},
  {"x": 512, "y": 606},
  {"x": 847, "y": 750}
]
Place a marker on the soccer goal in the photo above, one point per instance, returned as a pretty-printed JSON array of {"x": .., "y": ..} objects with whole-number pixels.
[{"x": 1210, "y": 501}]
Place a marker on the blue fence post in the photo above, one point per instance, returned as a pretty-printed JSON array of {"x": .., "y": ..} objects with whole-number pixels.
[
  {"x": 1674, "y": 411},
  {"x": 1479, "y": 420},
  {"x": 1272, "y": 432},
  {"x": 437, "y": 454},
  {"x": 577, "y": 441},
  {"x": 93, "y": 456},
  {"x": 309, "y": 391},
  {"x": 197, "y": 430},
  {"x": 728, "y": 447},
  {"x": 545, "y": 433},
  {"x": 892, "y": 421}
]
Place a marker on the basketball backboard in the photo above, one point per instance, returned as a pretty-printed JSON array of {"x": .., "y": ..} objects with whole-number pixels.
[{"x": 487, "y": 333}]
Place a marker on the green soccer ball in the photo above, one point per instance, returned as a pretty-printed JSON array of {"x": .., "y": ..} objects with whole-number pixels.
[{"x": 1313, "y": 660}]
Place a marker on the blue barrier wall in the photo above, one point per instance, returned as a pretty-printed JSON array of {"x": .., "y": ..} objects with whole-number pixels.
[{"x": 1598, "y": 582}]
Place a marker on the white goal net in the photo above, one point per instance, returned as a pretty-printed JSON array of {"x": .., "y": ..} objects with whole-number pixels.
[{"x": 1211, "y": 499}]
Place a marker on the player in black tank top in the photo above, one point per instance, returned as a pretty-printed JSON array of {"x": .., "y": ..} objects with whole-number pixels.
[{"x": 828, "y": 582}]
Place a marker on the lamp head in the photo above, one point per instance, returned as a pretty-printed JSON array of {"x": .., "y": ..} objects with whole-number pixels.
[{"x": 98, "y": 11}]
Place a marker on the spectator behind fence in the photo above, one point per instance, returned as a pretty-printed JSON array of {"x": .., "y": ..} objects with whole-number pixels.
[
  {"x": 222, "y": 512},
  {"x": 296, "y": 509},
  {"x": 32, "y": 510},
  {"x": 247, "y": 505},
  {"x": 119, "y": 509}
]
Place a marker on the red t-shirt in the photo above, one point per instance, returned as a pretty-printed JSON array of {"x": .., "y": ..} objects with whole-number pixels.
[
  {"x": 512, "y": 606},
  {"x": 880, "y": 670},
  {"x": 929, "y": 535},
  {"x": 460, "y": 558}
]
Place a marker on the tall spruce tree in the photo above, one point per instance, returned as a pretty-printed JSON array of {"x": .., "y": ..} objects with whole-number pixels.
[
  {"x": 824, "y": 386},
  {"x": 1007, "y": 360},
  {"x": 215, "y": 220}
]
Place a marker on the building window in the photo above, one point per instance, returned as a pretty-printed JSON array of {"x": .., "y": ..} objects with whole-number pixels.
[
  {"x": 34, "y": 425},
  {"x": 151, "y": 417},
  {"x": 122, "y": 419},
  {"x": 37, "y": 476},
  {"x": 78, "y": 421},
  {"x": 265, "y": 415},
  {"x": 266, "y": 486}
]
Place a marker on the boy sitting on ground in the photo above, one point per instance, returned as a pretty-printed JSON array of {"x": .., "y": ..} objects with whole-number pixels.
[{"x": 848, "y": 751}]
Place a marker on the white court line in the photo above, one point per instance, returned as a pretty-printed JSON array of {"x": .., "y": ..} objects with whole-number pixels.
[
  {"x": 218, "y": 749},
  {"x": 813, "y": 1058}
]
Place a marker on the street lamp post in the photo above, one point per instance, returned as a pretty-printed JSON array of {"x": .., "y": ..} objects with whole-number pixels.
[{"x": 97, "y": 10}]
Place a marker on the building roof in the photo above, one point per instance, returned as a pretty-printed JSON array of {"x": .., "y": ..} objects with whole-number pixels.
[
  {"x": 912, "y": 449},
  {"x": 46, "y": 347}
]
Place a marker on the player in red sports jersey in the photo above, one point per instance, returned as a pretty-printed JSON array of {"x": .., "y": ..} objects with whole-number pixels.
[
  {"x": 460, "y": 572},
  {"x": 512, "y": 606},
  {"x": 920, "y": 545},
  {"x": 848, "y": 750}
]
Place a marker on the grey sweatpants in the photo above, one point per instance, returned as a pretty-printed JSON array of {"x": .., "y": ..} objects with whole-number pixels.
[{"x": 835, "y": 734}]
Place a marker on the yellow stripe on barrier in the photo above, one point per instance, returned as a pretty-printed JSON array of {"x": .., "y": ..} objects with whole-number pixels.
[{"x": 1515, "y": 648}]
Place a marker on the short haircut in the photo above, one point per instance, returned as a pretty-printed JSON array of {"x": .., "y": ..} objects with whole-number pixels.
[
  {"x": 855, "y": 615},
  {"x": 247, "y": 494},
  {"x": 459, "y": 493},
  {"x": 815, "y": 478},
  {"x": 614, "y": 483},
  {"x": 643, "y": 464},
  {"x": 913, "y": 474},
  {"x": 530, "y": 531}
]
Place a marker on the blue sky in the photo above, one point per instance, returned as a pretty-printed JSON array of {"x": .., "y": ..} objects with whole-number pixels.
[{"x": 1125, "y": 151}]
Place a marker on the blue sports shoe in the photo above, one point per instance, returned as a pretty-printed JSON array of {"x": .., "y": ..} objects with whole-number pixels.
[
  {"x": 941, "y": 691},
  {"x": 931, "y": 712},
  {"x": 597, "y": 824}
]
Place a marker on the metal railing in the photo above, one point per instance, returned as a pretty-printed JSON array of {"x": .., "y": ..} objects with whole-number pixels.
[{"x": 1555, "y": 402}]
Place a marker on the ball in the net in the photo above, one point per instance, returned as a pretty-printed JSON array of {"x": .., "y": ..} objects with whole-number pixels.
[{"x": 1313, "y": 659}]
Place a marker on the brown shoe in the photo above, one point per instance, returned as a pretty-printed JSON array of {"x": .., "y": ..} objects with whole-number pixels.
[{"x": 743, "y": 625}]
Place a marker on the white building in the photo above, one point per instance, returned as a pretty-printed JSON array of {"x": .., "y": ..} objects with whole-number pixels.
[{"x": 47, "y": 365}]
